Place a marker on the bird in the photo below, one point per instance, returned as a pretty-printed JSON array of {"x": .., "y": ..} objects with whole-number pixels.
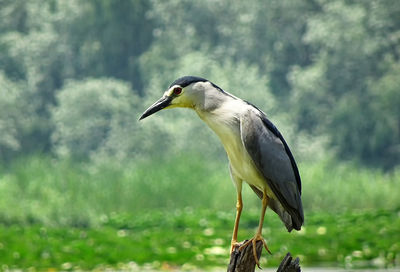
[{"x": 256, "y": 150}]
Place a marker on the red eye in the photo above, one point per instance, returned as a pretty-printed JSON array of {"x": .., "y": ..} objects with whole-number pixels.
[{"x": 177, "y": 90}]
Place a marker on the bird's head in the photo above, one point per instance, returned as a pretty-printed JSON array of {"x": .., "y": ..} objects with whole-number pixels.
[{"x": 185, "y": 92}]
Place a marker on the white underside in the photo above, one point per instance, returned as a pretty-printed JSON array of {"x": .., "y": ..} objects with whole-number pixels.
[{"x": 227, "y": 126}]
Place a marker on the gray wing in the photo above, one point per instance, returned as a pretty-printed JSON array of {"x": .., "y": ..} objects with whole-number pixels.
[{"x": 273, "y": 158}]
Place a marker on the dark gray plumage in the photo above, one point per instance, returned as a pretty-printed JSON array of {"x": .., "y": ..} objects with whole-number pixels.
[{"x": 269, "y": 154}]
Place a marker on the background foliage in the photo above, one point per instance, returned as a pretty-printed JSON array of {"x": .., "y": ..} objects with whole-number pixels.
[
  {"x": 330, "y": 67},
  {"x": 75, "y": 76}
]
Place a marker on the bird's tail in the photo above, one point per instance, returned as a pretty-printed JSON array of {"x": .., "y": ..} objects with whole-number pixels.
[
  {"x": 286, "y": 218},
  {"x": 284, "y": 215}
]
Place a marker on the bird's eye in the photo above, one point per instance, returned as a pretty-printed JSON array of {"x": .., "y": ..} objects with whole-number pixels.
[{"x": 177, "y": 90}]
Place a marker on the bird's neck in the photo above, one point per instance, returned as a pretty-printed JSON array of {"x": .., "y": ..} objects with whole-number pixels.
[{"x": 224, "y": 117}]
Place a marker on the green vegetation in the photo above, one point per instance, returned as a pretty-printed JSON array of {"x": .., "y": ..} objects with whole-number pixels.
[
  {"x": 84, "y": 184},
  {"x": 198, "y": 238},
  {"x": 64, "y": 193},
  {"x": 65, "y": 215},
  {"x": 75, "y": 76}
]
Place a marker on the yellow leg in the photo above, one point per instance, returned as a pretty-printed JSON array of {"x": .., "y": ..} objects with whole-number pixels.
[
  {"x": 239, "y": 207},
  {"x": 258, "y": 236},
  {"x": 263, "y": 209}
]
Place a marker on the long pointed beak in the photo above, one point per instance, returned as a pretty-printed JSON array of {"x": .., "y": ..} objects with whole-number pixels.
[{"x": 160, "y": 104}]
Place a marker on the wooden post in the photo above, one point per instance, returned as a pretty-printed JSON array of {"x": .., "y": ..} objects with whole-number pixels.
[{"x": 243, "y": 261}]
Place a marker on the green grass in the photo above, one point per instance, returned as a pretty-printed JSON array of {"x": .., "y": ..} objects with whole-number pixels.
[
  {"x": 330, "y": 186},
  {"x": 64, "y": 215},
  {"x": 53, "y": 192},
  {"x": 200, "y": 239}
]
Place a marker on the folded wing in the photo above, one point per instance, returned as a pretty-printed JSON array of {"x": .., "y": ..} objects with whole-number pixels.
[{"x": 273, "y": 158}]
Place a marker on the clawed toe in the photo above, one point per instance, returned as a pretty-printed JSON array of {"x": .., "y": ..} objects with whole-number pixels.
[
  {"x": 234, "y": 244},
  {"x": 253, "y": 242}
]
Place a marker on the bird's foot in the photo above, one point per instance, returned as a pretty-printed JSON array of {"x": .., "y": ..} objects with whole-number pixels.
[
  {"x": 234, "y": 244},
  {"x": 253, "y": 241}
]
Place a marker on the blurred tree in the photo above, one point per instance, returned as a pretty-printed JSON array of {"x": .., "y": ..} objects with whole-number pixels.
[
  {"x": 45, "y": 42},
  {"x": 87, "y": 113},
  {"x": 384, "y": 145},
  {"x": 337, "y": 94},
  {"x": 265, "y": 33},
  {"x": 327, "y": 64},
  {"x": 33, "y": 52},
  {"x": 105, "y": 37},
  {"x": 16, "y": 118}
]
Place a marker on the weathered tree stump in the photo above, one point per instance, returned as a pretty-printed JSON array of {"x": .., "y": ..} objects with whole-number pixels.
[
  {"x": 289, "y": 265},
  {"x": 243, "y": 261}
]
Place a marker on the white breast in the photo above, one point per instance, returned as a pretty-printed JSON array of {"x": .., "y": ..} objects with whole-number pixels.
[{"x": 226, "y": 124}]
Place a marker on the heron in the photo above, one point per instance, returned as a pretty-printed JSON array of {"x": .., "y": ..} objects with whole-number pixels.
[{"x": 257, "y": 152}]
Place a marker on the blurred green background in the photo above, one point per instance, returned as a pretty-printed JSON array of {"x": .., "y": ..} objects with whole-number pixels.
[{"x": 84, "y": 185}]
